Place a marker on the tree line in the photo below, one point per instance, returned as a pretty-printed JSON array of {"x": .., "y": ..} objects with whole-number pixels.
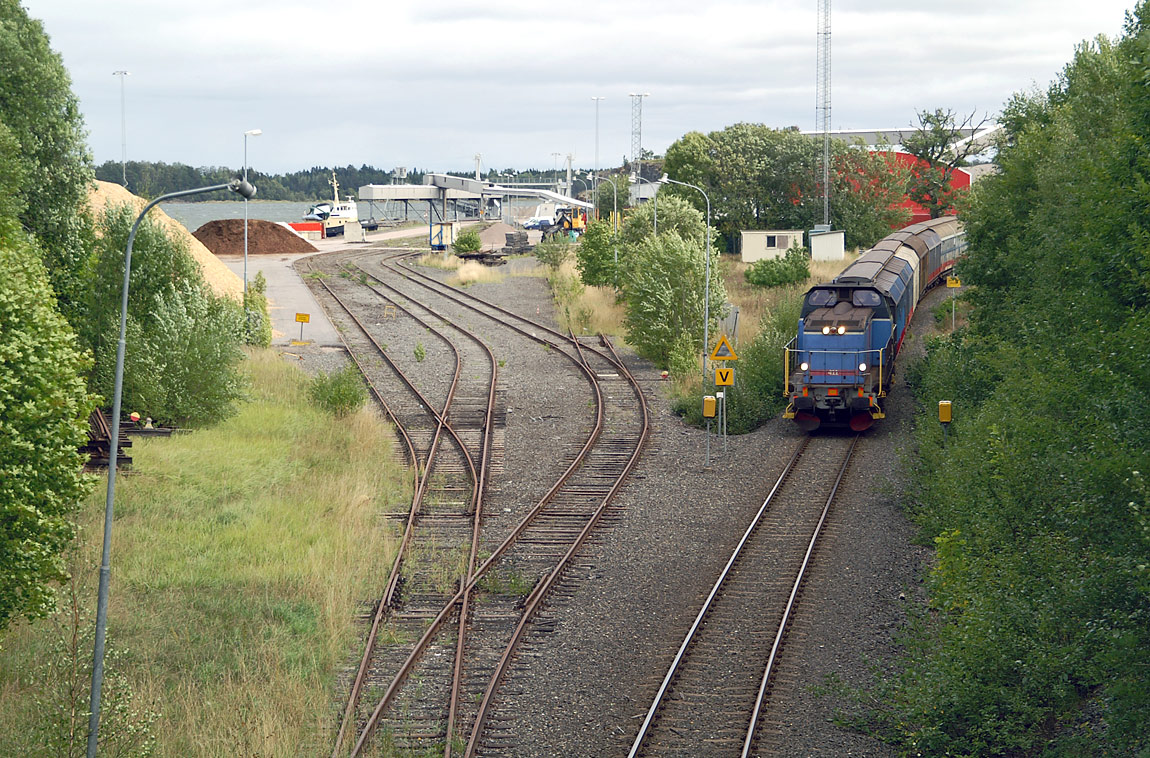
[
  {"x": 1038, "y": 637},
  {"x": 61, "y": 272},
  {"x": 151, "y": 179}
]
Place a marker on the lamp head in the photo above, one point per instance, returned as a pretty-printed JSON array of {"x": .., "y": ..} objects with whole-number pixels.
[
  {"x": 242, "y": 188},
  {"x": 664, "y": 179},
  {"x": 253, "y": 132}
]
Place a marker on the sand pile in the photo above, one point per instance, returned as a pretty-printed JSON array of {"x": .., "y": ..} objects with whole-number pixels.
[
  {"x": 216, "y": 274},
  {"x": 226, "y": 237},
  {"x": 494, "y": 237}
]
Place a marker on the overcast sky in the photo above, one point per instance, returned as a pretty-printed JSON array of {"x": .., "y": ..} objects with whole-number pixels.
[{"x": 430, "y": 84}]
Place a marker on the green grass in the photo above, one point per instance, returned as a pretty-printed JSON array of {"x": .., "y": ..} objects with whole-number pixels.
[{"x": 240, "y": 557}]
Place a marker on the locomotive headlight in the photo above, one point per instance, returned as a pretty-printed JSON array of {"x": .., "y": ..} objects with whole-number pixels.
[
  {"x": 804, "y": 366},
  {"x": 842, "y": 330},
  {"x": 862, "y": 367},
  {"x": 826, "y": 330}
]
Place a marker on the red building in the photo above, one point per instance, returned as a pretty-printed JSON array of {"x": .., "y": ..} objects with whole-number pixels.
[{"x": 960, "y": 179}]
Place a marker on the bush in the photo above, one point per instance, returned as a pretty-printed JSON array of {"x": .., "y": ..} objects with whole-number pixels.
[
  {"x": 467, "y": 242},
  {"x": 553, "y": 253},
  {"x": 665, "y": 297},
  {"x": 792, "y": 268},
  {"x": 595, "y": 256},
  {"x": 43, "y": 419},
  {"x": 259, "y": 323},
  {"x": 183, "y": 341},
  {"x": 340, "y": 393}
]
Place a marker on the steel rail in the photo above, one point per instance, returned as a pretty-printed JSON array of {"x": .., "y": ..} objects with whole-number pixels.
[
  {"x": 536, "y": 598},
  {"x": 433, "y": 628},
  {"x": 477, "y": 502},
  {"x": 757, "y": 710},
  {"x": 690, "y": 636},
  {"x": 393, "y": 579}
]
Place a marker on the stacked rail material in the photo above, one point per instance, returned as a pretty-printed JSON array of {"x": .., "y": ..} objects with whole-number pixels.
[
  {"x": 517, "y": 244},
  {"x": 100, "y": 443}
]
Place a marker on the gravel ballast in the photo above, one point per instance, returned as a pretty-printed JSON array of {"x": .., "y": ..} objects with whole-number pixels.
[{"x": 590, "y": 677}]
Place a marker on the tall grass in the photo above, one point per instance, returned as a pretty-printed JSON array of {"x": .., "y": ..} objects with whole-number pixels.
[
  {"x": 472, "y": 272},
  {"x": 241, "y": 557},
  {"x": 439, "y": 260},
  {"x": 583, "y": 309}
]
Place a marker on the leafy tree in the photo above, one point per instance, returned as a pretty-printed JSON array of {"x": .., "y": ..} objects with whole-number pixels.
[
  {"x": 43, "y": 414},
  {"x": 934, "y": 143},
  {"x": 42, "y": 114},
  {"x": 595, "y": 256},
  {"x": 665, "y": 296},
  {"x": 183, "y": 341},
  {"x": 763, "y": 178},
  {"x": 1038, "y": 504}
]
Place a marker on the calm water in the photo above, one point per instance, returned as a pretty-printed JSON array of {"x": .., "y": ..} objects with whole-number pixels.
[{"x": 195, "y": 215}]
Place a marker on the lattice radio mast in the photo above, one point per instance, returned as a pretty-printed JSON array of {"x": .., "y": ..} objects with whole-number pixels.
[
  {"x": 823, "y": 99},
  {"x": 637, "y": 130}
]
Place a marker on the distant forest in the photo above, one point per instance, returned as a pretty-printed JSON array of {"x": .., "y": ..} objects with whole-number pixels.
[{"x": 150, "y": 180}]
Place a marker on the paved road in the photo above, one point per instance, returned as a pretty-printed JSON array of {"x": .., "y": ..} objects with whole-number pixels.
[{"x": 288, "y": 295}]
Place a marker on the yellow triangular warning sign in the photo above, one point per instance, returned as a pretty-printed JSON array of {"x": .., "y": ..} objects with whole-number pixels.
[{"x": 723, "y": 351}]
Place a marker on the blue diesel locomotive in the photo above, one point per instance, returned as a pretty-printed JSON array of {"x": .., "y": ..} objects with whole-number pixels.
[{"x": 839, "y": 367}]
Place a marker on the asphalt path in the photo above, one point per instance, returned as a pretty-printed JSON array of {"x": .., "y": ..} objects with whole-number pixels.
[{"x": 288, "y": 295}]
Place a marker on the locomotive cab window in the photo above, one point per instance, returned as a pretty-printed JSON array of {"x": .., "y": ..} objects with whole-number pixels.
[
  {"x": 866, "y": 299},
  {"x": 822, "y": 298}
]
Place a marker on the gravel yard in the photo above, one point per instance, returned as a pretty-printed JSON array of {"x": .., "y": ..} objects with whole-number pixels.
[{"x": 602, "y": 646}]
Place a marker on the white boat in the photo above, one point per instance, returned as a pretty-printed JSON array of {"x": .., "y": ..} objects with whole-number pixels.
[{"x": 335, "y": 213}]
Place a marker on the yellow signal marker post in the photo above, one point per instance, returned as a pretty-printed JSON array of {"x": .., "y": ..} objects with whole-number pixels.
[
  {"x": 302, "y": 318},
  {"x": 725, "y": 377},
  {"x": 952, "y": 282},
  {"x": 944, "y": 417}
]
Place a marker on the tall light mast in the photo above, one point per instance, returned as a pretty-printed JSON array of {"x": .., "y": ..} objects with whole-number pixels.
[
  {"x": 637, "y": 130},
  {"x": 823, "y": 99}
]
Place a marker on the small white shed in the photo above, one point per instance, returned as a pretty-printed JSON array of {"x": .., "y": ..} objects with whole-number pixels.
[
  {"x": 828, "y": 245},
  {"x": 757, "y": 245}
]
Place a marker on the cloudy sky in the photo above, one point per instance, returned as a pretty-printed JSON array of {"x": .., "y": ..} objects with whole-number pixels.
[{"x": 430, "y": 84}]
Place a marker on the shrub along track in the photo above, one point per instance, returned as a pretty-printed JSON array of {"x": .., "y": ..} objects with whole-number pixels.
[
  {"x": 524, "y": 562},
  {"x": 711, "y": 701}
]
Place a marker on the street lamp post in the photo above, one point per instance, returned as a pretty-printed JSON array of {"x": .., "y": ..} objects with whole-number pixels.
[
  {"x": 595, "y": 186},
  {"x": 246, "y": 190},
  {"x": 614, "y": 229},
  {"x": 248, "y": 133},
  {"x": 707, "y": 284},
  {"x": 123, "y": 128},
  {"x": 654, "y": 195}
]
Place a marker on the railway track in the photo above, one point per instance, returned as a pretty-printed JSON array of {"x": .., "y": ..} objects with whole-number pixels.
[
  {"x": 498, "y": 599},
  {"x": 446, "y": 504},
  {"x": 711, "y": 701}
]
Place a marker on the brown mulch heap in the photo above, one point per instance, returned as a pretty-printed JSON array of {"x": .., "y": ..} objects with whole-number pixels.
[{"x": 226, "y": 237}]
